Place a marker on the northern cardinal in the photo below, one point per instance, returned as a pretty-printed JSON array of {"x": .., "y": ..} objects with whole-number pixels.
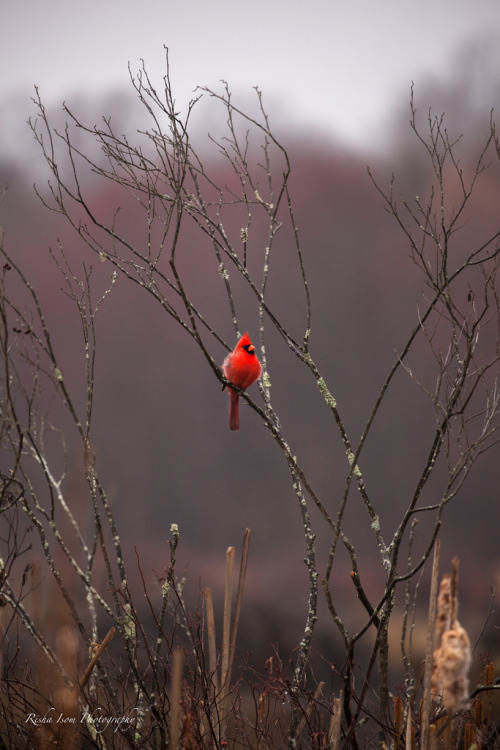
[{"x": 242, "y": 368}]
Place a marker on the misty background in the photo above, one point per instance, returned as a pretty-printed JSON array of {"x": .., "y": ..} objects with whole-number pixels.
[{"x": 336, "y": 81}]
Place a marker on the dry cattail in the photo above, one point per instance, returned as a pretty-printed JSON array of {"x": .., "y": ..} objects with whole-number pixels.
[
  {"x": 479, "y": 712},
  {"x": 398, "y": 714},
  {"x": 452, "y": 662},
  {"x": 469, "y": 738},
  {"x": 489, "y": 674},
  {"x": 443, "y": 618},
  {"x": 452, "y": 657}
]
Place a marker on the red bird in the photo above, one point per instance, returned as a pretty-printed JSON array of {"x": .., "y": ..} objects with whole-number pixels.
[{"x": 242, "y": 368}]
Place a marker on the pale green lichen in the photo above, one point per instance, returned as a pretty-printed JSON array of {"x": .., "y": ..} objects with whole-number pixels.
[
  {"x": 165, "y": 589},
  {"x": 356, "y": 470},
  {"x": 223, "y": 271},
  {"x": 326, "y": 394},
  {"x": 261, "y": 200},
  {"x": 129, "y": 629}
]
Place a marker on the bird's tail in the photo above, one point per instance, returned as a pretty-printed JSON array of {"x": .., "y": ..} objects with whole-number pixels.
[{"x": 234, "y": 410}]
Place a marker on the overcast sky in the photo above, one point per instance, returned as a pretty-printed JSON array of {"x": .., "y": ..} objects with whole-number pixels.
[{"x": 342, "y": 64}]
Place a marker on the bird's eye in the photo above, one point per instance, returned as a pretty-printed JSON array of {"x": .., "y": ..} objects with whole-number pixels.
[{"x": 247, "y": 349}]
